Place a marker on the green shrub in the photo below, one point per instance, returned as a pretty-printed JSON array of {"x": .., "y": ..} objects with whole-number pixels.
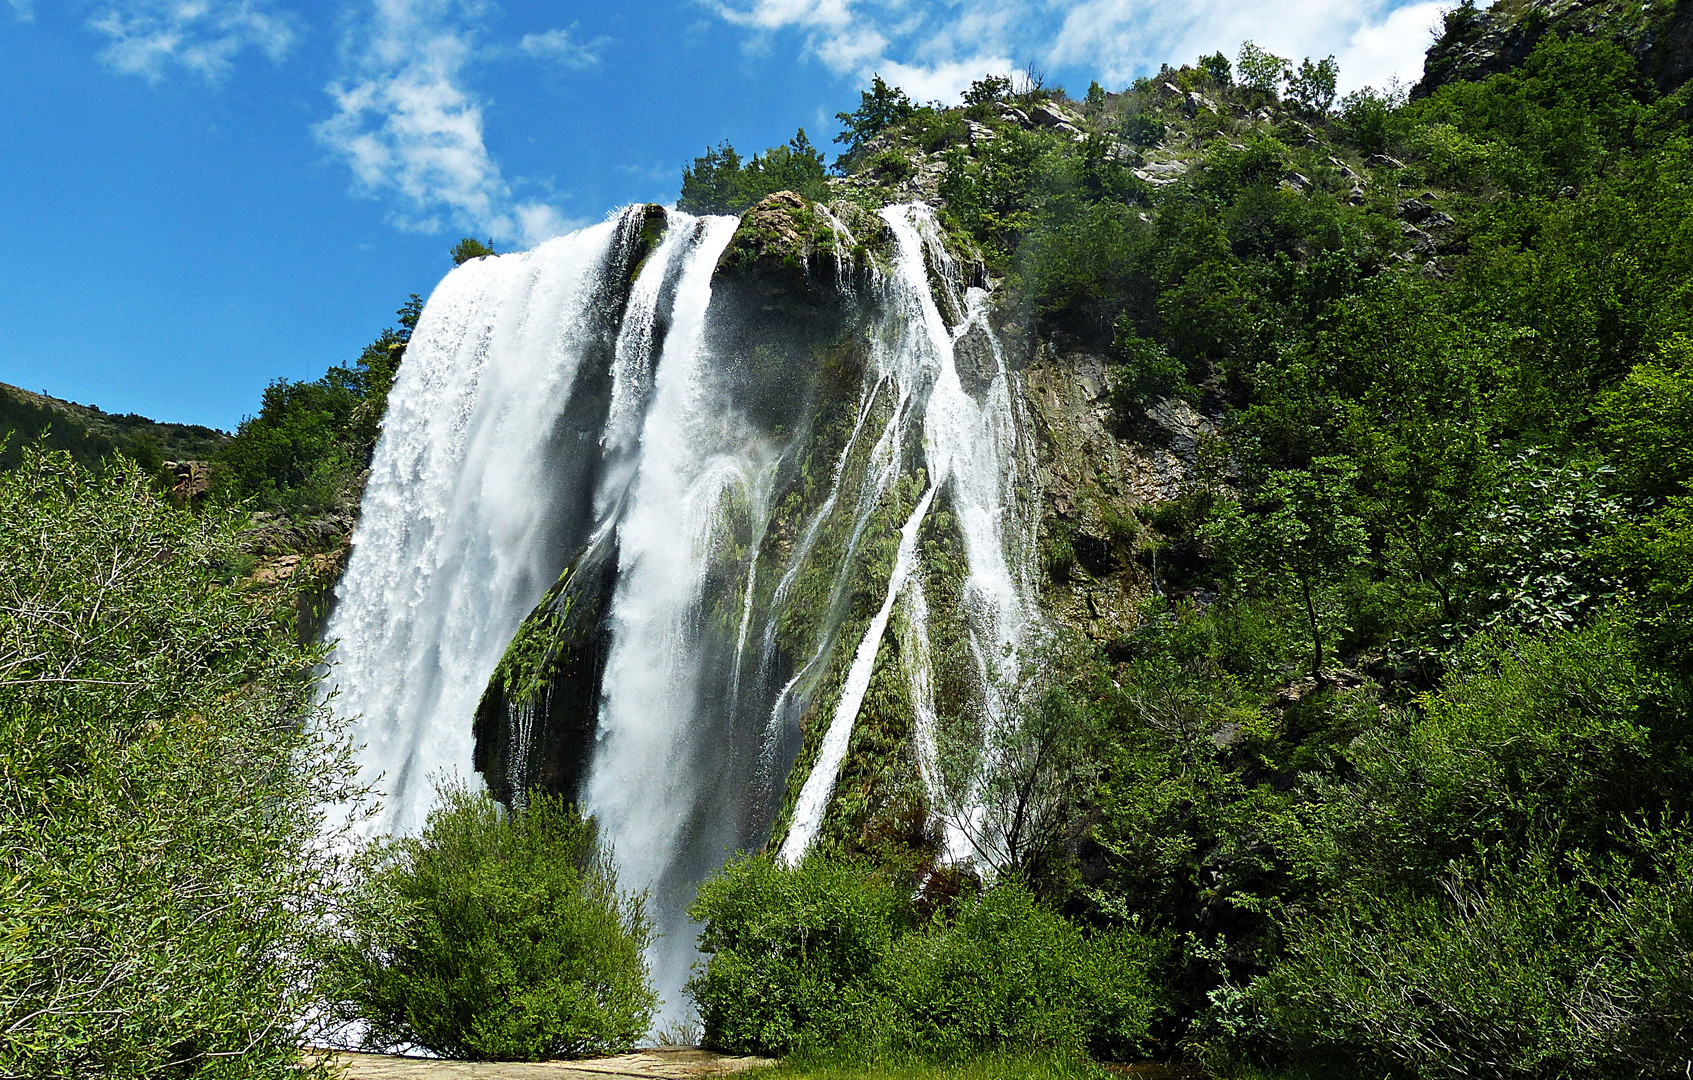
[
  {"x": 471, "y": 248},
  {"x": 165, "y": 878},
  {"x": 1648, "y": 422},
  {"x": 791, "y": 953},
  {"x": 830, "y": 956},
  {"x": 306, "y": 449},
  {"x": 1367, "y": 118},
  {"x": 1007, "y": 973},
  {"x": 498, "y": 936},
  {"x": 1526, "y": 967},
  {"x": 1146, "y": 374}
]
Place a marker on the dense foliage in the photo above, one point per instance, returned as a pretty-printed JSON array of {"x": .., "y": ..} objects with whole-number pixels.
[
  {"x": 496, "y": 936},
  {"x": 836, "y": 956},
  {"x": 718, "y": 182},
  {"x": 311, "y": 441},
  {"x": 1398, "y": 753},
  {"x": 166, "y": 872}
]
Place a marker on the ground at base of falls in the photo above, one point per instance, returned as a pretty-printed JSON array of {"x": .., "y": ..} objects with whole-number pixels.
[
  {"x": 686, "y": 1063},
  {"x": 679, "y": 1063}
]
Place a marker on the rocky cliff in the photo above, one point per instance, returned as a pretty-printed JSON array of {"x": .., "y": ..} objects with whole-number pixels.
[{"x": 1475, "y": 43}]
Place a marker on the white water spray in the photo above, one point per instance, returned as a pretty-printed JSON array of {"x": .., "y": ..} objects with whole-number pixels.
[{"x": 452, "y": 547}]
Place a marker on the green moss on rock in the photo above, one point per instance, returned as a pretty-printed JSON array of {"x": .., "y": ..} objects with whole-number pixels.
[{"x": 536, "y": 720}]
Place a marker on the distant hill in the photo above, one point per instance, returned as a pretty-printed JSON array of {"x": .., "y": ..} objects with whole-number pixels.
[{"x": 90, "y": 434}]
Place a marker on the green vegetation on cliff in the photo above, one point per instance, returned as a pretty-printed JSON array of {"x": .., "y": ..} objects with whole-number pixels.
[
  {"x": 1392, "y": 760},
  {"x": 308, "y": 447},
  {"x": 718, "y": 183}
]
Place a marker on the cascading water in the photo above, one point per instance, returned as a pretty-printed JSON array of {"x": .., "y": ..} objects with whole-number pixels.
[
  {"x": 719, "y": 524},
  {"x": 461, "y": 527},
  {"x": 973, "y": 447}
]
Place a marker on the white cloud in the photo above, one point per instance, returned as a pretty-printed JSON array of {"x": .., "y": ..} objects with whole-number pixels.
[
  {"x": 1392, "y": 49},
  {"x": 1124, "y": 38},
  {"x": 931, "y": 52},
  {"x": 935, "y": 48},
  {"x": 409, "y": 128},
  {"x": 941, "y": 81},
  {"x": 23, "y": 9},
  {"x": 147, "y": 37},
  {"x": 561, "y": 47}
]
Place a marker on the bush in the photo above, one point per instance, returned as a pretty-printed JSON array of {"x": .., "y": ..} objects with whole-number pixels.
[
  {"x": 497, "y": 936},
  {"x": 1147, "y": 374},
  {"x": 831, "y": 956},
  {"x": 1521, "y": 968},
  {"x": 471, "y": 248},
  {"x": 1006, "y": 973},
  {"x": 791, "y": 953},
  {"x": 165, "y": 878}
]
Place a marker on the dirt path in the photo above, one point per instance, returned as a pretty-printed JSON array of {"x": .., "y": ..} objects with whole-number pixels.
[{"x": 682, "y": 1063}]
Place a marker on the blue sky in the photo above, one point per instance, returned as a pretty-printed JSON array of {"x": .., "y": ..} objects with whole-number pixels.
[{"x": 198, "y": 196}]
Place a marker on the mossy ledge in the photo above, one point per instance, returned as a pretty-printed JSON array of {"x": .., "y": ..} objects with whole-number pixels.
[
  {"x": 548, "y": 682},
  {"x": 793, "y": 247}
]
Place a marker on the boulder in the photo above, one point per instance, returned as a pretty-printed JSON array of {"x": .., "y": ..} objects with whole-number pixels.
[{"x": 1052, "y": 115}]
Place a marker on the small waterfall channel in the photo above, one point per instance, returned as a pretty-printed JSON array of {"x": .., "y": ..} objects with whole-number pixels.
[{"x": 635, "y": 533}]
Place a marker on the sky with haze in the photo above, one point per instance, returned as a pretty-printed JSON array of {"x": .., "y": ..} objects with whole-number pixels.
[{"x": 198, "y": 196}]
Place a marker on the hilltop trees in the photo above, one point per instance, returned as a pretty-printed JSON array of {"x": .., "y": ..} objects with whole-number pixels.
[
  {"x": 304, "y": 451},
  {"x": 718, "y": 182}
]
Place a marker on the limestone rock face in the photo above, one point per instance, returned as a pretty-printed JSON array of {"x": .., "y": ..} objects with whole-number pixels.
[{"x": 1093, "y": 482}]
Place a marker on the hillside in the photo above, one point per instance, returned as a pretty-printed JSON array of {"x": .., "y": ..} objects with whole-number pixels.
[
  {"x": 90, "y": 434},
  {"x": 1198, "y": 572},
  {"x": 1363, "y": 518}
]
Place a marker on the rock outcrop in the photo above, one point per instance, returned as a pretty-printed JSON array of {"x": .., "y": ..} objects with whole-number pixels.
[{"x": 1476, "y": 42}]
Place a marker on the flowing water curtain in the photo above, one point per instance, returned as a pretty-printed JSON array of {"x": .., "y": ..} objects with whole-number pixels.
[
  {"x": 561, "y": 429},
  {"x": 465, "y": 513},
  {"x": 975, "y": 447}
]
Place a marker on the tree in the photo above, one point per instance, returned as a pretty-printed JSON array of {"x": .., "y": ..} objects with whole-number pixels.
[
  {"x": 988, "y": 89},
  {"x": 1648, "y": 422},
  {"x": 709, "y": 186},
  {"x": 304, "y": 450},
  {"x": 1261, "y": 70},
  {"x": 1217, "y": 66},
  {"x": 167, "y": 873},
  {"x": 880, "y": 107},
  {"x": 1313, "y": 86},
  {"x": 1017, "y": 794},
  {"x": 1301, "y": 526},
  {"x": 719, "y": 184},
  {"x": 471, "y": 248}
]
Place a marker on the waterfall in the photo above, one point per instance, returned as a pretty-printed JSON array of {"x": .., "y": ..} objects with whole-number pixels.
[
  {"x": 461, "y": 527},
  {"x": 974, "y": 447},
  {"x": 627, "y": 520}
]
